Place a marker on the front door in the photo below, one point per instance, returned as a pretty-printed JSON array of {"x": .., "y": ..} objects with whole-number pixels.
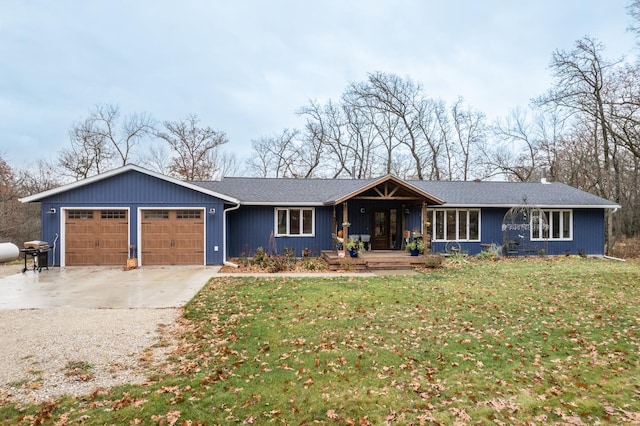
[{"x": 380, "y": 239}]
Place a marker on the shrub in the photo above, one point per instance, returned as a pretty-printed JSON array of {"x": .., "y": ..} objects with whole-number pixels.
[
  {"x": 289, "y": 252},
  {"x": 261, "y": 258},
  {"x": 433, "y": 261},
  {"x": 626, "y": 248},
  {"x": 313, "y": 264},
  {"x": 493, "y": 252},
  {"x": 279, "y": 263}
]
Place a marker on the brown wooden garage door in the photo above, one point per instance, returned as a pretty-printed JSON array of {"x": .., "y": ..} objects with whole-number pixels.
[
  {"x": 172, "y": 237},
  {"x": 96, "y": 237}
]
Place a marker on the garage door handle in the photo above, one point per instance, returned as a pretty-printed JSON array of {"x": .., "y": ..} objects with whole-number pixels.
[{"x": 97, "y": 243}]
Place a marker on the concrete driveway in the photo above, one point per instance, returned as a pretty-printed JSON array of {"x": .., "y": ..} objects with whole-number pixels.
[{"x": 103, "y": 287}]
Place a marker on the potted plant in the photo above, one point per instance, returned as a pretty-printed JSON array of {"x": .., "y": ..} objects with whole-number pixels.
[
  {"x": 355, "y": 247},
  {"x": 415, "y": 247}
]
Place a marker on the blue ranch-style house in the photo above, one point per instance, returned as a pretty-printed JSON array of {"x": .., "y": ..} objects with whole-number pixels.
[{"x": 131, "y": 212}]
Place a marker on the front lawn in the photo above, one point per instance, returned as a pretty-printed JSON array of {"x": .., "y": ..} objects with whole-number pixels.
[{"x": 526, "y": 341}]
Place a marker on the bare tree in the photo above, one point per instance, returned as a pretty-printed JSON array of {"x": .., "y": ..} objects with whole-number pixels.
[
  {"x": 157, "y": 158},
  {"x": 325, "y": 132},
  {"x": 8, "y": 203},
  {"x": 192, "y": 148},
  {"x": 469, "y": 129},
  {"x": 274, "y": 156},
  {"x": 581, "y": 91},
  {"x": 120, "y": 137},
  {"x": 634, "y": 12},
  {"x": 225, "y": 164},
  {"x": 516, "y": 155},
  {"x": 385, "y": 124},
  {"x": 102, "y": 141},
  {"x": 391, "y": 94},
  {"x": 88, "y": 154},
  {"x": 21, "y": 222},
  {"x": 374, "y": 128}
]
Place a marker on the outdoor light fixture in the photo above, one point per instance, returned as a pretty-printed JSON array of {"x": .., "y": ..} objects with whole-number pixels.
[
  {"x": 212, "y": 211},
  {"x": 51, "y": 211},
  {"x": 362, "y": 210}
]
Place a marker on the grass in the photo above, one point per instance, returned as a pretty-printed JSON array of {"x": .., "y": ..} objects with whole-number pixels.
[{"x": 509, "y": 342}]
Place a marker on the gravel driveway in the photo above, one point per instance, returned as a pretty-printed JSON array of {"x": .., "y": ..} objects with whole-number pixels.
[
  {"x": 51, "y": 352},
  {"x": 47, "y": 353}
]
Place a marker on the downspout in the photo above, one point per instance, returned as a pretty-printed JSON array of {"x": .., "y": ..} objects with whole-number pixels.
[
  {"x": 609, "y": 235},
  {"x": 224, "y": 236}
]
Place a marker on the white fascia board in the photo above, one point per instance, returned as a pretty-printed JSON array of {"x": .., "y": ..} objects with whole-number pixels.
[
  {"x": 540, "y": 206},
  {"x": 283, "y": 204}
]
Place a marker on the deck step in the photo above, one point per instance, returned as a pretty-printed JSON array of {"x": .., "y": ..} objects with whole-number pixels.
[
  {"x": 395, "y": 266},
  {"x": 373, "y": 261}
]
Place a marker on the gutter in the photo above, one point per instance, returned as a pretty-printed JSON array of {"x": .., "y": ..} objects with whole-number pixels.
[{"x": 224, "y": 235}]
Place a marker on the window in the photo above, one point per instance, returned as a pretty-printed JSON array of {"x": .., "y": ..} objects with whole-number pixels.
[
  {"x": 156, "y": 214},
  {"x": 80, "y": 214},
  {"x": 456, "y": 225},
  {"x": 558, "y": 225},
  {"x": 188, "y": 214},
  {"x": 113, "y": 214},
  {"x": 295, "y": 222}
]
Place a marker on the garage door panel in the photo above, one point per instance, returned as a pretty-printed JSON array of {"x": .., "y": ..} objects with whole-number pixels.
[
  {"x": 113, "y": 244},
  {"x": 81, "y": 258},
  {"x": 96, "y": 237},
  {"x": 156, "y": 244},
  {"x": 173, "y": 237},
  {"x": 112, "y": 228},
  {"x": 187, "y": 258},
  {"x": 113, "y": 257},
  {"x": 85, "y": 244},
  {"x": 153, "y": 258},
  {"x": 192, "y": 246}
]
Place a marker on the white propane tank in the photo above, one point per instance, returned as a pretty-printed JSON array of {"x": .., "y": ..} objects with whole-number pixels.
[{"x": 8, "y": 252}]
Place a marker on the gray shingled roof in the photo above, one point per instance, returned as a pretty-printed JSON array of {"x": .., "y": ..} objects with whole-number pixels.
[
  {"x": 270, "y": 191},
  {"x": 511, "y": 193},
  {"x": 285, "y": 191}
]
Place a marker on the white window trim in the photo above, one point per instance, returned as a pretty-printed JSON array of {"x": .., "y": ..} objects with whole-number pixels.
[
  {"x": 433, "y": 225},
  {"x": 548, "y": 214},
  {"x": 288, "y": 233}
]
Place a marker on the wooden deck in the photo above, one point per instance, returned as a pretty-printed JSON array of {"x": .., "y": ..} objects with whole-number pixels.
[{"x": 373, "y": 261}]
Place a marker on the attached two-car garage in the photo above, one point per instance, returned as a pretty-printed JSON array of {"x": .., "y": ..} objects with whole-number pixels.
[
  {"x": 167, "y": 237},
  {"x": 128, "y": 212}
]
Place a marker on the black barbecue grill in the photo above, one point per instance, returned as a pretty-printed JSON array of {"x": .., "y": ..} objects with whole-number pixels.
[{"x": 38, "y": 251}]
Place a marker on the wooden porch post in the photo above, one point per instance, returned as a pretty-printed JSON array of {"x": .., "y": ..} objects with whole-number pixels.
[
  {"x": 426, "y": 238},
  {"x": 335, "y": 221},
  {"x": 345, "y": 219}
]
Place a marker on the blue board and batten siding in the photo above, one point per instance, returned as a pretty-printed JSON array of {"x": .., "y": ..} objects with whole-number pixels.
[
  {"x": 251, "y": 227},
  {"x": 588, "y": 235},
  {"x": 133, "y": 190}
]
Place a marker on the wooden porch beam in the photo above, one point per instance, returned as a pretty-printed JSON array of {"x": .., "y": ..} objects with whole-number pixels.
[
  {"x": 387, "y": 198},
  {"x": 393, "y": 191}
]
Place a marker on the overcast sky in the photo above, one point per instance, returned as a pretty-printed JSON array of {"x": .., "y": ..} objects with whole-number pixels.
[{"x": 245, "y": 67}]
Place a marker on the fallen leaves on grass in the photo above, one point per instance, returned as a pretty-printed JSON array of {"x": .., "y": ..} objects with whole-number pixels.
[{"x": 495, "y": 342}]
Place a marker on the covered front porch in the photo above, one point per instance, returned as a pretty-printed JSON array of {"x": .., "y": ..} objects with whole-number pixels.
[{"x": 385, "y": 215}]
